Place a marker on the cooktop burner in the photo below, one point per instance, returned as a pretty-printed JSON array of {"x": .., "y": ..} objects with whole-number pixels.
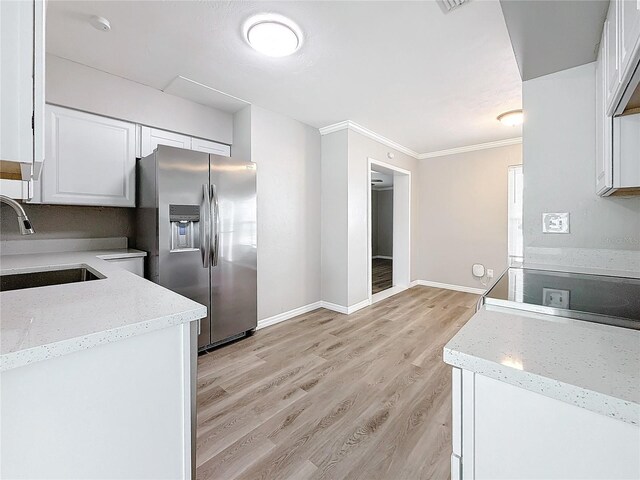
[{"x": 596, "y": 298}]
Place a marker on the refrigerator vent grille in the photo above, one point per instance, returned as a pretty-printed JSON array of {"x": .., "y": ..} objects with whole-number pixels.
[{"x": 448, "y": 5}]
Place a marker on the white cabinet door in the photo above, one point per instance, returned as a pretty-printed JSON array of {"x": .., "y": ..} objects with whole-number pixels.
[
  {"x": 207, "y": 146},
  {"x": 90, "y": 159},
  {"x": 152, "y": 137},
  {"x": 16, "y": 81},
  {"x": 604, "y": 176},
  {"x": 629, "y": 35},
  {"x": 612, "y": 71},
  {"x": 626, "y": 151}
]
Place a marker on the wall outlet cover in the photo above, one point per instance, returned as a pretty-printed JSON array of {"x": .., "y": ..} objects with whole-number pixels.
[
  {"x": 555, "y": 222},
  {"x": 554, "y": 297}
]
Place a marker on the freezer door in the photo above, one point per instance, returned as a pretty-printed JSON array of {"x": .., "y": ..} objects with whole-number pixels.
[
  {"x": 234, "y": 245},
  {"x": 183, "y": 187}
]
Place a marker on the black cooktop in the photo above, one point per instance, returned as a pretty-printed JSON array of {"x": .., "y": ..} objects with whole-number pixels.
[{"x": 597, "y": 298}]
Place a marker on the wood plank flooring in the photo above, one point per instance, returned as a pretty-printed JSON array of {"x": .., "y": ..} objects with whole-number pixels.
[
  {"x": 381, "y": 274},
  {"x": 330, "y": 396}
]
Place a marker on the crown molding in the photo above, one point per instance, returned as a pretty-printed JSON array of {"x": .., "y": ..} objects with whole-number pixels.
[
  {"x": 348, "y": 124},
  {"x": 471, "y": 148}
]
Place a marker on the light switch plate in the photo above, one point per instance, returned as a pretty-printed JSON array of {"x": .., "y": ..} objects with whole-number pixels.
[
  {"x": 555, "y": 222},
  {"x": 554, "y": 297}
]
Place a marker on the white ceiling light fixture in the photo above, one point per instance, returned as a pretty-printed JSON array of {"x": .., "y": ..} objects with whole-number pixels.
[
  {"x": 273, "y": 35},
  {"x": 512, "y": 118}
]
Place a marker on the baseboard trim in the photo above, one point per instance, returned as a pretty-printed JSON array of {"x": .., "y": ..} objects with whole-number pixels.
[
  {"x": 389, "y": 292},
  {"x": 281, "y": 317},
  {"x": 447, "y": 286},
  {"x": 345, "y": 310},
  {"x": 383, "y": 257}
]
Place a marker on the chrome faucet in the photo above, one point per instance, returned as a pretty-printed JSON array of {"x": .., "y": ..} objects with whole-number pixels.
[{"x": 23, "y": 221}]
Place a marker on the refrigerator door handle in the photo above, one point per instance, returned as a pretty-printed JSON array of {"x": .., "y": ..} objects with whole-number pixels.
[
  {"x": 215, "y": 223},
  {"x": 205, "y": 227}
]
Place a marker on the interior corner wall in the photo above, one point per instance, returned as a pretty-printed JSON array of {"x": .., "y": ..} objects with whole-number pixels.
[
  {"x": 559, "y": 176},
  {"x": 360, "y": 149},
  {"x": 463, "y": 214},
  {"x": 334, "y": 229},
  {"x": 287, "y": 154}
]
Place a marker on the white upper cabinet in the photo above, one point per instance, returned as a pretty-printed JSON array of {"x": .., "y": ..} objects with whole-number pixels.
[
  {"x": 603, "y": 128},
  {"x": 207, "y": 146},
  {"x": 152, "y": 137},
  {"x": 617, "y": 78},
  {"x": 21, "y": 88},
  {"x": 611, "y": 60},
  {"x": 90, "y": 159},
  {"x": 621, "y": 39},
  {"x": 629, "y": 12}
]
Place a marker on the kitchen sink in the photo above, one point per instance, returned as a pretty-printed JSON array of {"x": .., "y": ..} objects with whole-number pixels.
[{"x": 20, "y": 281}]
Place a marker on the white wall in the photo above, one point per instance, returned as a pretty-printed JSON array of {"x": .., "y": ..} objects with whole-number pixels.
[
  {"x": 360, "y": 149},
  {"x": 559, "y": 176},
  {"x": 463, "y": 214},
  {"x": 74, "y": 85},
  {"x": 334, "y": 225},
  {"x": 345, "y": 189},
  {"x": 287, "y": 154}
]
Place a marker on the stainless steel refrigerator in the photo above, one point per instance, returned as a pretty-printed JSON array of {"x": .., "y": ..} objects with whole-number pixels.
[{"x": 196, "y": 218}]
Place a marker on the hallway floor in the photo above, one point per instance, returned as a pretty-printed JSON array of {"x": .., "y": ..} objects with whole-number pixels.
[{"x": 381, "y": 274}]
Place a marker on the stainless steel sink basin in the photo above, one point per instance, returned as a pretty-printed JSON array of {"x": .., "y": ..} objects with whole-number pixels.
[{"x": 20, "y": 281}]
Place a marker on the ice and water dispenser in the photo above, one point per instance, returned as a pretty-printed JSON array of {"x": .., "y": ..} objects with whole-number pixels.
[{"x": 184, "y": 227}]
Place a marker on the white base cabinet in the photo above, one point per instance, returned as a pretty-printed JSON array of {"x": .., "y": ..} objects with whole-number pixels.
[
  {"x": 91, "y": 160},
  {"x": 505, "y": 432},
  {"x": 133, "y": 265},
  {"x": 122, "y": 410}
]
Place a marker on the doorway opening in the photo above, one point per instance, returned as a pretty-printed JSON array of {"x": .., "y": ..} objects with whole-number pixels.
[
  {"x": 389, "y": 229},
  {"x": 381, "y": 231}
]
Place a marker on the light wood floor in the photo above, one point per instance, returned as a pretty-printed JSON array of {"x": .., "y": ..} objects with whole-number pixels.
[
  {"x": 325, "y": 395},
  {"x": 381, "y": 274}
]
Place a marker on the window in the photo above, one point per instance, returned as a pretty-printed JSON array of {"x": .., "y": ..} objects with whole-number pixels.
[{"x": 515, "y": 242}]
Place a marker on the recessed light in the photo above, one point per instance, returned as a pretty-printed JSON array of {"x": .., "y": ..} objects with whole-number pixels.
[
  {"x": 273, "y": 35},
  {"x": 511, "y": 118}
]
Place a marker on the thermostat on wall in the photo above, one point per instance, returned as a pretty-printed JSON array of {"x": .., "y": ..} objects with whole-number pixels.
[{"x": 478, "y": 270}]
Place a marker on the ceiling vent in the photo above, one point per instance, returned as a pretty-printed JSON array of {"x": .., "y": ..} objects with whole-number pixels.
[{"x": 448, "y": 5}]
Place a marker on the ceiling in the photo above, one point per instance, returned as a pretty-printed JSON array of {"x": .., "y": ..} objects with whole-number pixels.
[
  {"x": 387, "y": 180},
  {"x": 570, "y": 37},
  {"x": 405, "y": 70}
]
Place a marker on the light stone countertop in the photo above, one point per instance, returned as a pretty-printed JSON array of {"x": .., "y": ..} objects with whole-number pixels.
[
  {"x": 590, "y": 365},
  {"x": 47, "y": 322}
]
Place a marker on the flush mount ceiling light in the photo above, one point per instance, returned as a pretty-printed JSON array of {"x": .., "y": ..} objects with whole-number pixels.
[
  {"x": 512, "y": 118},
  {"x": 273, "y": 35}
]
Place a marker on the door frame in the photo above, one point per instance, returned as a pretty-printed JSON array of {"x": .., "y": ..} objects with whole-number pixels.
[{"x": 401, "y": 230}]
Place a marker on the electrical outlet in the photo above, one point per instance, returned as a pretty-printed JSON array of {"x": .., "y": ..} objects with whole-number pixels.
[
  {"x": 489, "y": 272},
  {"x": 554, "y": 297},
  {"x": 555, "y": 222}
]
